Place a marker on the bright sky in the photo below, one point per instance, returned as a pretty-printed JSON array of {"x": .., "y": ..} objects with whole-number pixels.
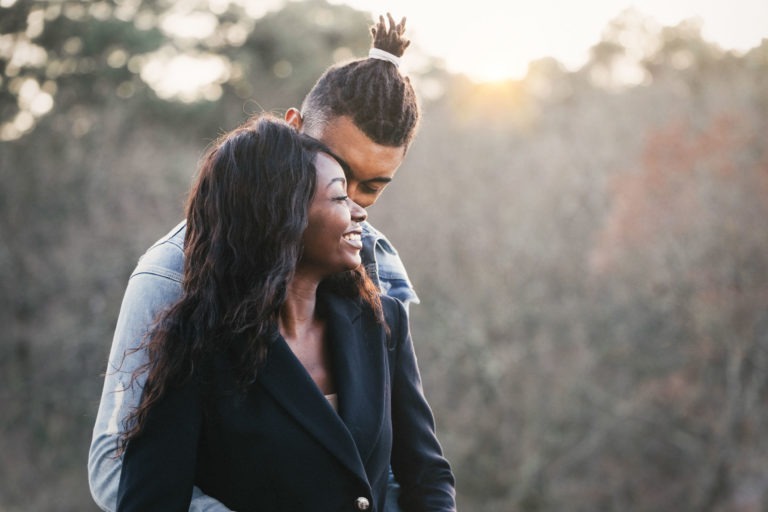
[
  {"x": 485, "y": 39},
  {"x": 495, "y": 39}
]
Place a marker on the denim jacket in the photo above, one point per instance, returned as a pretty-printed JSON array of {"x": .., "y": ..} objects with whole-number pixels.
[{"x": 154, "y": 285}]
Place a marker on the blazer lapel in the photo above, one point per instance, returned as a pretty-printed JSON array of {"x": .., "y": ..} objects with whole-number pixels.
[
  {"x": 284, "y": 377},
  {"x": 358, "y": 350}
]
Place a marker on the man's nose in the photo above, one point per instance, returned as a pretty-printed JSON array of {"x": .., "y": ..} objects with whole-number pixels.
[{"x": 358, "y": 212}]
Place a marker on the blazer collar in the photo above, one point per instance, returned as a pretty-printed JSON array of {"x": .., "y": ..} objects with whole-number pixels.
[{"x": 357, "y": 349}]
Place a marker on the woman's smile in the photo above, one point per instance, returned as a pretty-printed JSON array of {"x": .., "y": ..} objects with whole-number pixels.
[{"x": 355, "y": 238}]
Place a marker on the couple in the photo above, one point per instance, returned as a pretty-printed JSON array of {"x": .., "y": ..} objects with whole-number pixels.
[{"x": 255, "y": 366}]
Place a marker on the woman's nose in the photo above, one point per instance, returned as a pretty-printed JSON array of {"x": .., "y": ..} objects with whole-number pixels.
[{"x": 358, "y": 212}]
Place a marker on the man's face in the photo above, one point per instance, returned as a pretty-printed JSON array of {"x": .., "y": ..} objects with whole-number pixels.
[{"x": 371, "y": 166}]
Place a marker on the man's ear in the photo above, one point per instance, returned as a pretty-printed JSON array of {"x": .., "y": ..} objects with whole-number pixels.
[{"x": 293, "y": 118}]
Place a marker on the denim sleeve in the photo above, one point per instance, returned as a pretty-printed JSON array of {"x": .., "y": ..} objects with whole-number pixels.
[
  {"x": 151, "y": 289},
  {"x": 384, "y": 266},
  {"x": 393, "y": 278}
]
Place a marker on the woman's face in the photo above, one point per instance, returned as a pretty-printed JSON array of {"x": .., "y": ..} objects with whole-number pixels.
[{"x": 332, "y": 240}]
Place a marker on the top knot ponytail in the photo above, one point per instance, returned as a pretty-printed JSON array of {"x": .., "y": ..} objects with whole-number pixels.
[
  {"x": 376, "y": 96},
  {"x": 390, "y": 39}
]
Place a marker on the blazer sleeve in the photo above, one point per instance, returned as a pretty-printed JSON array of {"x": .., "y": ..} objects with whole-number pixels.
[
  {"x": 158, "y": 471},
  {"x": 154, "y": 285},
  {"x": 425, "y": 476}
]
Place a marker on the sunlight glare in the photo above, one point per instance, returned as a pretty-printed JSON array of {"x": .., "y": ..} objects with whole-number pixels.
[
  {"x": 258, "y": 8},
  {"x": 33, "y": 99},
  {"x": 185, "y": 77},
  {"x": 194, "y": 25}
]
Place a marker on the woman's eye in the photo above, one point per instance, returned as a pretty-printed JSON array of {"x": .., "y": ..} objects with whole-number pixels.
[{"x": 341, "y": 199}]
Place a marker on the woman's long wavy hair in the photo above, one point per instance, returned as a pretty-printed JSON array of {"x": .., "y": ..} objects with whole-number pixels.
[{"x": 246, "y": 214}]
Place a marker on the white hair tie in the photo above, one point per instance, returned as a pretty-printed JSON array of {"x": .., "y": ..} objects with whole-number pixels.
[{"x": 376, "y": 53}]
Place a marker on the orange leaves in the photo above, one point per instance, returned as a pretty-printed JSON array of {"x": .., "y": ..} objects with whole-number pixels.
[{"x": 691, "y": 183}]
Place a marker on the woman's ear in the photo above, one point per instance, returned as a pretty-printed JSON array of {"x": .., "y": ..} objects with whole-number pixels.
[{"x": 293, "y": 118}]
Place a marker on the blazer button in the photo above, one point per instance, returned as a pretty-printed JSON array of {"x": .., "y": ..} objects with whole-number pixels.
[{"x": 362, "y": 503}]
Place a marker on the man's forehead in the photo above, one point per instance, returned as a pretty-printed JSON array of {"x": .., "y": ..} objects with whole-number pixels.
[{"x": 362, "y": 158}]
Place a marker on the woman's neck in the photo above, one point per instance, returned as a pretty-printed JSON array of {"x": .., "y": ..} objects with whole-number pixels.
[
  {"x": 304, "y": 331},
  {"x": 298, "y": 314}
]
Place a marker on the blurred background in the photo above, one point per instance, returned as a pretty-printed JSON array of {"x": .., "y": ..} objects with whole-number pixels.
[{"x": 587, "y": 233}]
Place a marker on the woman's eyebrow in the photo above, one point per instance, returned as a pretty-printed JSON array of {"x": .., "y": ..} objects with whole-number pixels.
[
  {"x": 340, "y": 179},
  {"x": 344, "y": 165}
]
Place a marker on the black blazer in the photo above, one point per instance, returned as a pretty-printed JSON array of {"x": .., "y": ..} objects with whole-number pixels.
[{"x": 280, "y": 446}]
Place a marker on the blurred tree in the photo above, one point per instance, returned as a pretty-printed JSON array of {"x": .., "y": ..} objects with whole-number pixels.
[
  {"x": 81, "y": 54},
  {"x": 71, "y": 53},
  {"x": 562, "y": 387},
  {"x": 686, "y": 226},
  {"x": 616, "y": 61}
]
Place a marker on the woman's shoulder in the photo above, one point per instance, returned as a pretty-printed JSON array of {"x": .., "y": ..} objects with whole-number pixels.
[
  {"x": 393, "y": 310},
  {"x": 392, "y": 305},
  {"x": 395, "y": 316}
]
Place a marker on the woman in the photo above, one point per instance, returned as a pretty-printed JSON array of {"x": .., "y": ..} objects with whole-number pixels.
[{"x": 280, "y": 380}]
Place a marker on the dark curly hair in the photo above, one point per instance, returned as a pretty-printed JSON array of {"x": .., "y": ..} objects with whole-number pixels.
[
  {"x": 372, "y": 92},
  {"x": 246, "y": 213}
]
